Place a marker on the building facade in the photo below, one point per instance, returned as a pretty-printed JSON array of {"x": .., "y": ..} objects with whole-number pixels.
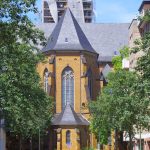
[
  {"x": 79, "y": 58},
  {"x": 134, "y": 34},
  {"x": 137, "y": 29},
  {"x": 52, "y": 10},
  {"x": 71, "y": 63}
]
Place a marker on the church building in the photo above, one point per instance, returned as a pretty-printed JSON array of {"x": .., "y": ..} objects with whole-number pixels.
[{"x": 78, "y": 58}]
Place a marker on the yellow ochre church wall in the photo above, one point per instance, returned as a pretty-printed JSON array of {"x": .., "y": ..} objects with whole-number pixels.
[
  {"x": 91, "y": 63},
  {"x": 41, "y": 66},
  {"x": 73, "y": 60},
  {"x": 62, "y": 61},
  {"x": 73, "y": 138}
]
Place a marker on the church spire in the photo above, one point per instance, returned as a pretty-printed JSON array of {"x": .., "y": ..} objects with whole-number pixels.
[{"x": 68, "y": 36}]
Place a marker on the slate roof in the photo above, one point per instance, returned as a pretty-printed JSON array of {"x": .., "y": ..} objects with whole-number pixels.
[
  {"x": 68, "y": 35},
  {"x": 69, "y": 117},
  {"x": 105, "y": 58},
  {"x": 105, "y": 38},
  {"x": 105, "y": 72}
]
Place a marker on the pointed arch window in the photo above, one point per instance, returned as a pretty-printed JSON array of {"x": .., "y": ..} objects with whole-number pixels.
[
  {"x": 67, "y": 87},
  {"x": 89, "y": 75},
  {"x": 68, "y": 138},
  {"x": 46, "y": 80}
]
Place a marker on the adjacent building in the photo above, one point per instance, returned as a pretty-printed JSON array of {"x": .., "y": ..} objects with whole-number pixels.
[
  {"x": 137, "y": 29},
  {"x": 134, "y": 34},
  {"x": 143, "y": 25}
]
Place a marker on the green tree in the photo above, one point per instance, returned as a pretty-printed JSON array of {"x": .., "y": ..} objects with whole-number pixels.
[
  {"x": 143, "y": 65},
  {"x": 25, "y": 106},
  {"x": 146, "y": 17},
  {"x": 100, "y": 122},
  {"x": 120, "y": 106},
  {"x": 117, "y": 60}
]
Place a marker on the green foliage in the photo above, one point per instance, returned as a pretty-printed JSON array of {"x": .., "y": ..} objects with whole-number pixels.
[
  {"x": 119, "y": 106},
  {"x": 146, "y": 17},
  {"x": 15, "y": 24},
  {"x": 143, "y": 68},
  {"x": 25, "y": 106},
  {"x": 100, "y": 125},
  {"x": 88, "y": 148},
  {"x": 143, "y": 65},
  {"x": 124, "y": 103},
  {"x": 117, "y": 60},
  {"x": 124, "y": 52},
  {"x": 136, "y": 49}
]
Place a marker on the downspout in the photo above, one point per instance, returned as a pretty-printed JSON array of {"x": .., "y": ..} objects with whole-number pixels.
[{"x": 80, "y": 81}]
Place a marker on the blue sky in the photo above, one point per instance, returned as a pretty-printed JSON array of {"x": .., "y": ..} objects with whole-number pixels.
[
  {"x": 116, "y": 10},
  {"x": 112, "y": 11}
]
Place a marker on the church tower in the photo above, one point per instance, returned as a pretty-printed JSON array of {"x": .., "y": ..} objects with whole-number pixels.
[
  {"x": 70, "y": 76},
  {"x": 52, "y": 10}
]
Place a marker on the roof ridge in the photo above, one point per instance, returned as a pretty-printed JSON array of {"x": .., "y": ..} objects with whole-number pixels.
[
  {"x": 83, "y": 34},
  {"x": 68, "y": 35},
  {"x": 69, "y": 117},
  {"x": 52, "y": 39},
  {"x": 74, "y": 113}
]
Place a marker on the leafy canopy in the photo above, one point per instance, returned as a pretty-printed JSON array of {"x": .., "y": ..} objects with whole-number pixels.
[
  {"x": 23, "y": 103},
  {"x": 122, "y": 104},
  {"x": 143, "y": 66},
  {"x": 117, "y": 60},
  {"x": 118, "y": 107}
]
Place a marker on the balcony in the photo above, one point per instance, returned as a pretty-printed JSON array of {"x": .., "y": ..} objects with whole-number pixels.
[
  {"x": 87, "y": 7},
  {"x": 88, "y": 20},
  {"x": 87, "y": 13},
  {"x": 48, "y": 20},
  {"x": 61, "y": 0},
  {"x": 47, "y": 12},
  {"x": 89, "y": 1},
  {"x": 144, "y": 22}
]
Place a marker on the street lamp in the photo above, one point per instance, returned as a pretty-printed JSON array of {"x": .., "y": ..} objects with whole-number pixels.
[{"x": 99, "y": 145}]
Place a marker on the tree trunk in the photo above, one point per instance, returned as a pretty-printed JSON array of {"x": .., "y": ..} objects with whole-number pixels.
[
  {"x": 31, "y": 143},
  {"x": 116, "y": 139},
  {"x": 120, "y": 141},
  {"x": 39, "y": 140},
  {"x": 2, "y": 139},
  {"x": 130, "y": 141},
  {"x": 20, "y": 143}
]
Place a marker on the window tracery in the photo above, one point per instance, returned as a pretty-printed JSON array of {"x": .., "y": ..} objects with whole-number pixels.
[
  {"x": 46, "y": 80},
  {"x": 67, "y": 87}
]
